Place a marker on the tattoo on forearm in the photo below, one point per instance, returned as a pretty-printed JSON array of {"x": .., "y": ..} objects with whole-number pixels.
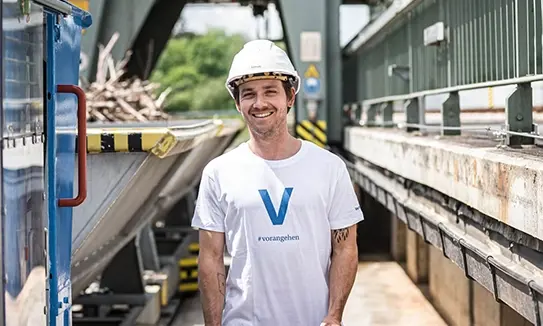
[
  {"x": 340, "y": 235},
  {"x": 221, "y": 278}
]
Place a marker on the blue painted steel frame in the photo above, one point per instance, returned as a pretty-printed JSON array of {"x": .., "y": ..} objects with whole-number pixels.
[{"x": 63, "y": 43}]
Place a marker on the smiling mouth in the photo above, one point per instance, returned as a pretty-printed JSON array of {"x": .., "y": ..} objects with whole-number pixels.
[{"x": 262, "y": 115}]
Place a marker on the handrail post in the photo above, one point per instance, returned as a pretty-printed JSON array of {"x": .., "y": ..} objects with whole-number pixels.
[
  {"x": 412, "y": 113},
  {"x": 519, "y": 115},
  {"x": 388, "y": 114},
  {"x": 450, "y": 114},
  {"x": 371, "y": 115}
]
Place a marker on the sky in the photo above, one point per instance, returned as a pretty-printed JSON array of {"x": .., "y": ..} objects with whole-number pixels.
[{"x": 237, "y": 19}]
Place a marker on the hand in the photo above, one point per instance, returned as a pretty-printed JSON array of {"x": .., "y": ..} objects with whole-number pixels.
[{"x": 330, "y": 321}]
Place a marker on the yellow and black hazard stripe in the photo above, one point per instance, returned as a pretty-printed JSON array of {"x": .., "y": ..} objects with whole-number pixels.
[
  {"x": 114, "y": 141},
  {"x": 194, "y": 248},
  {"x": 188, "y": 274},
  {"x": 313, "y": 132}
]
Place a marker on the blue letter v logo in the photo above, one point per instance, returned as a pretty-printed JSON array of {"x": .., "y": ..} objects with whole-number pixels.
[{"x": 277, "y": 218}]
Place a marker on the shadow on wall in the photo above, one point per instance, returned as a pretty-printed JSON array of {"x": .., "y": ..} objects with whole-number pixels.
[{"x": 374, "y": 233}]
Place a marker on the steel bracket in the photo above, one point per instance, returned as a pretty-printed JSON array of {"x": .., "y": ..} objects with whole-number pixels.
[
  {"x": 421, "y": 219},
  {"x": 412, "y": 112},
  {"x": 440, "y": 228},
  {"x": 533, "y": 293},
  {"x": 450, "y": 114},
  {"x": 387, "y": 110},
  {"x": 462, "y": 244},
  {"x": 519, "y": 115},
  {"x": 371, "y": 115}
]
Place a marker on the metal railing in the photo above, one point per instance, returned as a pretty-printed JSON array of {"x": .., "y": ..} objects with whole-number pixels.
[{"x": 421, "y": 48}]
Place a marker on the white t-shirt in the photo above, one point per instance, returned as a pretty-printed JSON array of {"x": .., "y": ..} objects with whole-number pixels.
[{"x": 277, "y": 217}]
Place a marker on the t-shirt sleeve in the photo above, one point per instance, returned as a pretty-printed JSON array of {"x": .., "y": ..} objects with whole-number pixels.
[
  {"x": 344, "y": 208},
  {"x": 208, "y": 214}
]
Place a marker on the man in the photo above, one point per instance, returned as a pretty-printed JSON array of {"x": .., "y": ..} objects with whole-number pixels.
[{"x": 285, "y": 209}]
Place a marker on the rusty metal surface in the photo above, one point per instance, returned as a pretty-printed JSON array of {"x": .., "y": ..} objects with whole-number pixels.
[
  {"x": 382, "y": 295},
  {"x": 502, "y": 183}
]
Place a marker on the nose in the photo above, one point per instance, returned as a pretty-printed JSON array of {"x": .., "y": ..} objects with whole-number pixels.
[{"x": 260, "y": 103}]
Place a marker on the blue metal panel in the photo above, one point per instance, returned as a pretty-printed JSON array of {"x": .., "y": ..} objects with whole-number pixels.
[
  {"x": 63, "y": 52},
  {"x": 51, "y": 168},
  {"x": 66, "y": 72}
]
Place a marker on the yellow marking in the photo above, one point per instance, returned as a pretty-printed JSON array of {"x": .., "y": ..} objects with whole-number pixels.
[
  {"x": 311, "y": 72},
  {"x": 164, "y": 145},
  {"x": 188, "y": 287},
  {"x": 164, "y": 293},
  {"x": 195, "y": 246},
  {"x": 322, "y": 124},
  {"x": 159, "y": 141},
  {"x": 94, "y": 143},
  {"x": 188, "y": 262},
  {"x": 120, "y": 142},
  {"x": 83, "y": 4},
  {"x": 220, "y": 128},
  {"x": 321, "y": 136},
  {"x": 185, "y": 274},
  {"x": 149, "y": 138},
  {"x": 307, "y": 136},
  {"x": 490, "y": 98},
  {"x": 148, "y": 141},
  {"x": 113, "y": 130}
]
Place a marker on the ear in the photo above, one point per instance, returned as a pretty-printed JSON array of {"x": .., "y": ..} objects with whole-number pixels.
[{"x": 290, "y": 103}]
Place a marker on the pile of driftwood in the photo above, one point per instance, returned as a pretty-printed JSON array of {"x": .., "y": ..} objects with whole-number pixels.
[{"x": 111, "y": 99}]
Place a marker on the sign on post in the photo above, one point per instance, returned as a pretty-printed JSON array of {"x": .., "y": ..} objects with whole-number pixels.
[
  {"x": 310, "y": 47},
  {"x": 312, "y": 82}
]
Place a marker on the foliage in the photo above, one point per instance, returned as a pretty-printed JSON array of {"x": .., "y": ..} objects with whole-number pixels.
[{"x": 196, "y": 68}]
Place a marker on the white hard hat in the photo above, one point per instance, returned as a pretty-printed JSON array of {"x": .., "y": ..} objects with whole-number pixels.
[{"x": 261, "y": 59}]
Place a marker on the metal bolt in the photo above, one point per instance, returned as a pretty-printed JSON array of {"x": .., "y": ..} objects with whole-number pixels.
[{"x": 520, "y": 117}]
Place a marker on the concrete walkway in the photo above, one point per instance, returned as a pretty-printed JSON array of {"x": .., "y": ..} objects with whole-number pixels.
[{"x": 383, "y": 295}]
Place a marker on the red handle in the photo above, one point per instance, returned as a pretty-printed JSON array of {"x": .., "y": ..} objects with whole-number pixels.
[{"x": 82, "y": 144}]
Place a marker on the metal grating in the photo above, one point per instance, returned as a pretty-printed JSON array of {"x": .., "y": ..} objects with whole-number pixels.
[{"x": 486, "y": 40}]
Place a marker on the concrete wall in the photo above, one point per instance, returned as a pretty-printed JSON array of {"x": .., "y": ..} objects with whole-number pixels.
[{"x": 459, "y": 300}]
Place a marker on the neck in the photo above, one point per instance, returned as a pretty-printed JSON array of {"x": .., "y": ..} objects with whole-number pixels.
[{"x": 275, "y": 148}]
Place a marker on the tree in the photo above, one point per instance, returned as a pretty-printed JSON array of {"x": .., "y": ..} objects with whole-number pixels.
[{"x": 196, "y": 69}]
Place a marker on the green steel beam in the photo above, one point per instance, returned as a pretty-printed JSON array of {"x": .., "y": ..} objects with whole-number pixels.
[
  {"x": 313, "y": 42},
  {"x": 155, "y": 33},
  {"x": 334, "y": 72},
  {"x": 123, "y": 16}
]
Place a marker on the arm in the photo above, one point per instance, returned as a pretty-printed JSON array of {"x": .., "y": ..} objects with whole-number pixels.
[
  {"x": 342, "y": 270},
  {"x": 209, "y": 219},
  {"x": 212, "y": 276},
  {"x": 344, "y": 215}
]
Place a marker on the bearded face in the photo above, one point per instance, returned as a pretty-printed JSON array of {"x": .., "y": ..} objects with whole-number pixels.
[{"x": 264, "y": 106}]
